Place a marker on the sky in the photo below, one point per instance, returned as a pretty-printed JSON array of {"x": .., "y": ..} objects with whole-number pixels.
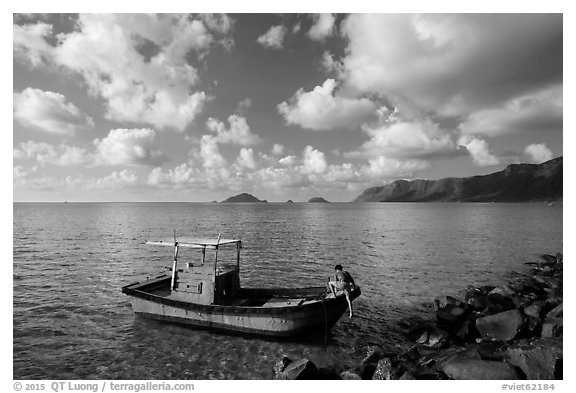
[{"x": 188, "y": 107}]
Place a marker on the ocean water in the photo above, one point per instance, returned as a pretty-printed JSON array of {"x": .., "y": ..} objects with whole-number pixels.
[{"x": 71, "y": 320}]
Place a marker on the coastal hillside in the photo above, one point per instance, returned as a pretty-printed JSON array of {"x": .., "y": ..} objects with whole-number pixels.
[
  {"x": 244, "y": 198},
  {"x": 516, "y": 183}
]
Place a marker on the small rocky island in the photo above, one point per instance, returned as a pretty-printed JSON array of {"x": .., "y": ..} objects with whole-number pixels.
[
  {"x": 512, "y": 331},
  {"x": 244, "y": 198},
  {"x": 318, "y": 200}
]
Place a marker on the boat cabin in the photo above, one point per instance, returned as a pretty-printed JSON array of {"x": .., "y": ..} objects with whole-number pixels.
[{"x": 201, "y": 278}]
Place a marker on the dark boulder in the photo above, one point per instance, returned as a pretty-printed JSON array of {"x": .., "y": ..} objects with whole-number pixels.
[
  {"x": 548, "y": 259},
  {"x": 468, "y": 369},
  {"x": 300, "y": 369},
  {"x": 443, "y": 301},
  {"x": 503, "y": 326},
  {"x": 503, "y": 290},
  {"x": 450, "y": 315},
  {"x": 535, "y": 309},
  {"x": 535, "y": 363},
  {"x": 434, "y": 338},
  {"x": 467, "y": 331},
  {"x": 492, "y": 350},
  {"x": 553, "y": 324}
]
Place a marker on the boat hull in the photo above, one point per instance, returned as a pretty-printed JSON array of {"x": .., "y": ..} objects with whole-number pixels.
[{"x": 285, "y": 321}]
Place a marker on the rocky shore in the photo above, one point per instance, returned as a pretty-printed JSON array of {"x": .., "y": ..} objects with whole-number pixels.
[{"x": 513, "y": 331}]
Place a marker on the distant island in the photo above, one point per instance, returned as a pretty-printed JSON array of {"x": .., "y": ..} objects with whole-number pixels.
[
  {"x": 318, "y": 200},
  {"x": 289, "y": 201},
  {"x": 516, "y": 183},
  {"x": 244, "y": 198}
]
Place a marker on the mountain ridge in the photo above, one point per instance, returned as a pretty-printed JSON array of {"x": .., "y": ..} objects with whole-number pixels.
[{"x": 515, "y": 183}]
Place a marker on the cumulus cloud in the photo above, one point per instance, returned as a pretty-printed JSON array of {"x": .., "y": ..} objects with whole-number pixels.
[
  {"x": 479, "y": 151},
  {"x": 238, "y": 132},
  {"x": 246, "y": 158},
  {"x": 156, "y": 89},
  {"x": 313, "y": 161},
  {"x": 47, "y": 154},
  {"x": 321, "y": 109},
  {"x": 538, "y": 153},
  {"x": 273, "y": 38},
  {"x": 48, "y": 111},
  {"x": 323, "y": 27},
  {"x": 30, "y": 44},
  {"x": 128, "y": 147},
  {"x": 453, "y": 64},
  {"x": 538, "y": 111},
  {"x": 116, "y": 180},
  {"x": 405, "y": 139},
  {"x": 210, "y": 153},
  {"x": 179, "y": 176}
]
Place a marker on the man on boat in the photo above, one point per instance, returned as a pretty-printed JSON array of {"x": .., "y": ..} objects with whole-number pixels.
[{"x": 344, "y": 282}]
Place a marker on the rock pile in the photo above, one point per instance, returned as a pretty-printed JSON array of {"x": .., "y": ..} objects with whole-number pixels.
[{"x": 512, "y": 331}]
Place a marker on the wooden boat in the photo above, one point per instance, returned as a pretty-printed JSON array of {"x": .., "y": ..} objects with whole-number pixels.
[{"x": 206, "y": 293}]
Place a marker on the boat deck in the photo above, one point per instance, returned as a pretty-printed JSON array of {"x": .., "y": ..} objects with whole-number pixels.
[{"x": 255, "y": 298}]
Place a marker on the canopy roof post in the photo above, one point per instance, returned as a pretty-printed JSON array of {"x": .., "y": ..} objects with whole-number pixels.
[{"x": 174, "y": 266}]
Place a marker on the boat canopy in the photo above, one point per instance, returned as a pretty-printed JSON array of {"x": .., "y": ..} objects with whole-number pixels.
[{"x": 195, "y": 242}]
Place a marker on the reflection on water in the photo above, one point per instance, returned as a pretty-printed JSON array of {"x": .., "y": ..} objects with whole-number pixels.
[{"x": 70, "y": 260}]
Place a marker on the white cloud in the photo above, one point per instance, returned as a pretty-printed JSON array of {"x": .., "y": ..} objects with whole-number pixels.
[
  {"x": 288, "y": 160},
  {"x": 246, "y": 158},
  {"x": 330, "y": 64},
  {"x": 405, "y": 139},
  {"x": 277, "y": 149},
  {"x": 452, "y": 64},
  {"x": 479, "y": 150},
  {"x": 313, "y": 161},
  {"x": 180, "y": 176},
  {"x": 320, "y": 109},
  {"x": 537, "y": 111},
  {"x": 538, "y": 153},
  {"x": 47, "y": 154},
  {"x": 389, "y": 168},
  {"x": 29, "y": 43},
  {"x": 323, "y": 27},
  {"x": 238, "y": 133},
  {"x": 243, "y": 106},
  {"x": 116, "y": 180},
  {"x": 273, "y": 38},
  {"x": 128, "y": 147},
  {"x": 210, "y": 153},
  {"x": 158, "y": 90},
  {"x": 48, "y": 111}
]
